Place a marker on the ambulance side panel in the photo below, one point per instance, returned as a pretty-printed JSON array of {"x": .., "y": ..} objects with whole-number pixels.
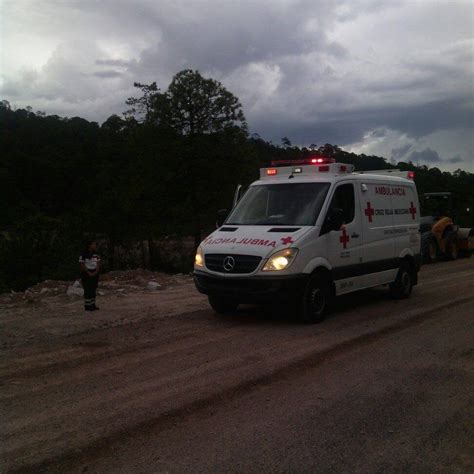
[
  {"x": 376, "y": 209},
  {"x": 378, "y": 251},
  {"x": 406, "y": 221}
]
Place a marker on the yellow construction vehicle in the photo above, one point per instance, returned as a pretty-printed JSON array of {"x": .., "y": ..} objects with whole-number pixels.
[{"x": 440, "y": 236}]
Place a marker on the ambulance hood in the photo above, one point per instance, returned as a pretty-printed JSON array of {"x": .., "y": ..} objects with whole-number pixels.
[{"x": 253, "y": 240}]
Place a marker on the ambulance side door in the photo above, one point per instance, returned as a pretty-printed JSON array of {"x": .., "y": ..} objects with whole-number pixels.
[{"x": 343, "y": 246}]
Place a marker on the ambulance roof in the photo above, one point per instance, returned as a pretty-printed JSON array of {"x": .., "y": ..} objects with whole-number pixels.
[{"x": 329, "y": 173}]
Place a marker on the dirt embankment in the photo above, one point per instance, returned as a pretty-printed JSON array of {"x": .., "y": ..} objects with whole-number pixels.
[{"x": 55, "y": 308}]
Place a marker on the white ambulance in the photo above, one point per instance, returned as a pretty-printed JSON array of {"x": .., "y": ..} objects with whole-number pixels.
[{"x": 310, "y": 230}]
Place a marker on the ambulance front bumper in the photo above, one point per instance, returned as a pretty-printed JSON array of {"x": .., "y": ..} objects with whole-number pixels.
[{"x": 251, "y": 289}]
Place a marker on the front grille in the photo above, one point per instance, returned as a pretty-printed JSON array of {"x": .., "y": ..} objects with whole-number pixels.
[
  {"x": 237, "y": 285},
  {"x": 242, "y": 263}
]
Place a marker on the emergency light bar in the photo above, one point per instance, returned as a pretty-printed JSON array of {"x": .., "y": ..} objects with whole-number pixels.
[
  {"x": 303, "y": 161},
  {"x": 306, "y": 169}
]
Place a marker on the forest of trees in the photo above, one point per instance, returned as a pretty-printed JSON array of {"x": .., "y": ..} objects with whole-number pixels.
[{"x": 163, "y": 168}]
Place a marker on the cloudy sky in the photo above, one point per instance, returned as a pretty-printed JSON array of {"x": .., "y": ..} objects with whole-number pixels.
[{"x": 389, "y": 78}]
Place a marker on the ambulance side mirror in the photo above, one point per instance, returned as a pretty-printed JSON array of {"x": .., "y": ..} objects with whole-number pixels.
[
  {"x": 221, "y": 216},
  {"x": 335, "y": 219}
]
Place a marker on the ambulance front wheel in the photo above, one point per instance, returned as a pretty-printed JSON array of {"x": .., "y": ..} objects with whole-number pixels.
[
  {"x": 401, "y": 288},
  {"x": 315, "y": 300},
  {"x": 222, "y": 304}
]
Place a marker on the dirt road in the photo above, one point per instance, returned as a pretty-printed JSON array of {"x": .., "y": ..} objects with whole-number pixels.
[{"x": 157, "y": 383}]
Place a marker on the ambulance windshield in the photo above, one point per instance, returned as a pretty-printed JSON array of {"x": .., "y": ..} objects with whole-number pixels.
[{"x": 280, "y": 204}]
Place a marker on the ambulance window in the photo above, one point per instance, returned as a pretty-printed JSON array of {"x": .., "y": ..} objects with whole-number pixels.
[
  {"x": 344, "y": 199},
  {"x": 280, "y": 204}
]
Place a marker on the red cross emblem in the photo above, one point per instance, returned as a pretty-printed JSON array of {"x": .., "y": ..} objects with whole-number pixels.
[
  {"x": 286, "y": 240},
  {"x": 412, "y": 210},
  {"x": 369, "y": 212},
  {"x": 344, "y": 238}
]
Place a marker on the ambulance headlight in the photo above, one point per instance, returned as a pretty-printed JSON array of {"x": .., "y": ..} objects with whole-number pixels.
[
  {"x": 280, "y": 260},
  {"x": 199, "y": 258}
]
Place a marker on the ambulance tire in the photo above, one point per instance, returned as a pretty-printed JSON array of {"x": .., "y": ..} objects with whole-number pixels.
[
  {"x": 222, "y": 305},
  {"x": 315, "y": 300},
  {"x": 402, "y": 286}
]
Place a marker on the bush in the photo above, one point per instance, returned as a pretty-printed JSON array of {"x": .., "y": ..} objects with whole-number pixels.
[{"x": 38, "y": 247}]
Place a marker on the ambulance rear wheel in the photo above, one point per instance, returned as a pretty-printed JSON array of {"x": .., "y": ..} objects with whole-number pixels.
[
  {"x": 401, "y": 288},
  {"x": 222, "y": 305},
  {"x": 315, "y": 301}
]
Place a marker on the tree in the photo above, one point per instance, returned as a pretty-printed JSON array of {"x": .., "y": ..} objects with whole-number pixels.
[
  {"x": 192, "y": 105},
  {"x": 210, "y": 125},
  {"x": 114, "y": 124},
  {"x": 141, "y": 108},
  {"x": 329, "y": 150}
]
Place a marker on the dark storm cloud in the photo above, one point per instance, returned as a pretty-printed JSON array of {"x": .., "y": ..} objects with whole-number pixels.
[
  {"x": 430, "y": 156},
  {"x": 427, "y": 155},
  {"x": 422, "y": 119},
  {"x": 337, "y": 132},
  {"x": 398, "y": 153},
  {"x": 350, "y": 126},
  {"x": 455, "y": 159},
  {"x": 222, "y": 37}
]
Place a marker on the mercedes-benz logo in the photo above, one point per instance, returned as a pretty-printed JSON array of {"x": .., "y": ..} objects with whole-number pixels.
[{"x": 229, "y": 263}]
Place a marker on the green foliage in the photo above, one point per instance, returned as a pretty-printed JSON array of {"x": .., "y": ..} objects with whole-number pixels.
[
  {"x": 34, "y": 250},
  {"x": 165, "y": 168}
]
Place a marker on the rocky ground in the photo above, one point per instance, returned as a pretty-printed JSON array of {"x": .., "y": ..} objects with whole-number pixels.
[{"x": 53, "y": 308}]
